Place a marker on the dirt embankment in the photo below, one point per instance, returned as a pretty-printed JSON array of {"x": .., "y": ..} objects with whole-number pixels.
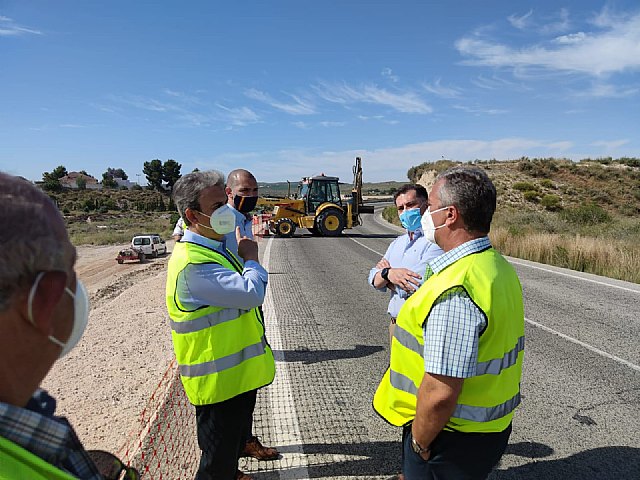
[{"x": 105, "y": 382}]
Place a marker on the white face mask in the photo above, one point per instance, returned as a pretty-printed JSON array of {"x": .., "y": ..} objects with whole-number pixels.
[
  {"x": 221, "y": 221},
  {"x": 80, "y": 314},
  {"x": 428, "y": 228}
]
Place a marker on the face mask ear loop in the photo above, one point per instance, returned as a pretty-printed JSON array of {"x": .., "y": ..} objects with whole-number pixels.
[{"x": 32, "y": 294}]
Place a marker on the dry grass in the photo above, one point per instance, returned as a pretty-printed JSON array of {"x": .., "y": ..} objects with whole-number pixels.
[{"x": 608, "y": 257}]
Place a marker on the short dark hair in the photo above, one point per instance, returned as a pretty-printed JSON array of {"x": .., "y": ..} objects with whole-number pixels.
[
  {"x": 472, "y": 192},
  {"x": 421, "y": 192}
]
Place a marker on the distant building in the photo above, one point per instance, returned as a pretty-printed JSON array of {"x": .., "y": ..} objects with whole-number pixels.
[
  {"x": 123, "y": 183},
  {"x": 71, "y": 181}
]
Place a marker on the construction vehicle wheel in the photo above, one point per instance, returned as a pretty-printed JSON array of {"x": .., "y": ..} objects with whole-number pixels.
[
  {"x": 285, "y": 228},
  {"x": 330, "y": 222}
]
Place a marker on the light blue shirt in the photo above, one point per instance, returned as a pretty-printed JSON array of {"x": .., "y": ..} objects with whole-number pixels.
[
  {"x": 453, "y": 328},
  {"x": 245, "y": 230},
  {"x": 213, "y": 284},
  {"x": 407, "y": 253}
]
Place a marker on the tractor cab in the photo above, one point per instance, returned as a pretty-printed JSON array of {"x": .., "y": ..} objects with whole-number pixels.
[{"x": 314, "y": 191}]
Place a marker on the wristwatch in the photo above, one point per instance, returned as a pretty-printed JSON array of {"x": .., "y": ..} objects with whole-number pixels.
[
  {"x": 385, "y": 273},
  {"x": 415, "y": 446}
]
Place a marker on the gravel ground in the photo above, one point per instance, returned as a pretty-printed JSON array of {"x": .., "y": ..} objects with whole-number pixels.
[{"x": 104, "y": 383}]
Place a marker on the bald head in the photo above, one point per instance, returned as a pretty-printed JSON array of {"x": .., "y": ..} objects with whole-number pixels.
[
  {"x": 34, "y": 239},
  {"x": 239, "y": 178},
  {"x": 242, "y": 183}
]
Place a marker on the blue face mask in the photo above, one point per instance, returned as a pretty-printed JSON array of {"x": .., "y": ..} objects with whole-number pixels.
[{"x": 410, "y": 219}]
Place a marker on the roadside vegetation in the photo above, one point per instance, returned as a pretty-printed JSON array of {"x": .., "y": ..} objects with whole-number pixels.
[{"x": 583, "y": 216}]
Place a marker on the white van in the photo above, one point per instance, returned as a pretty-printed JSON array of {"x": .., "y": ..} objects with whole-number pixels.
[{"x": 151, "y": 244}]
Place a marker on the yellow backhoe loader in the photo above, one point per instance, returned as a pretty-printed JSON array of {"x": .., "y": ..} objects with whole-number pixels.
[{"x": 318, "y": 206}]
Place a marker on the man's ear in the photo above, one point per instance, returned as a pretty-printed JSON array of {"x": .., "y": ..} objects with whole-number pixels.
[
  {"x": 228, "y": 191},
  {"x": 46, "y": 297},
  {"x": 191, "y": 216}
]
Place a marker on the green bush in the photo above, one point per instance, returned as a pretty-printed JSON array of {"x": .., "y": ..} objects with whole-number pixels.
[
  {"x": 589, "y": 214},
  {"x": 551, "y": 202},
  {"x": 546, "y": 183},
  {"x": 390, "y": 214},
  {"x": 524, "y": 186},
  {"x": 531, "y": 196}
]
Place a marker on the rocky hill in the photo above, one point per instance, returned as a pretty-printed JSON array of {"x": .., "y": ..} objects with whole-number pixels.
[{"x": 555, "y": 184}]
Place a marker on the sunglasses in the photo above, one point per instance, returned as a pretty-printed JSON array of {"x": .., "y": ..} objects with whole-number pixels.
[{"x": 111, "y": 467}]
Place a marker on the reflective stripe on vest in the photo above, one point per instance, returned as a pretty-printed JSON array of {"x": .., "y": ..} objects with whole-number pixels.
[
  {"x": 487, "y": 414},
  {"x": 224, "y": 363},
  {"x": 210, "y": 320}
]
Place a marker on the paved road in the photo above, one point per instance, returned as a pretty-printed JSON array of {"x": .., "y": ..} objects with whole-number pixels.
[{"x": 580, "y": 417}]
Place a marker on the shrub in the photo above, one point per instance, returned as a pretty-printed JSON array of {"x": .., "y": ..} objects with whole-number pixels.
[
  {"x": 546, "y": 183},
  {"x": 551, "y": 202},
  {"x": 531, "y": 196},
  {"x": 525, "y": 186},
  {"x": 589, "y": 214}
]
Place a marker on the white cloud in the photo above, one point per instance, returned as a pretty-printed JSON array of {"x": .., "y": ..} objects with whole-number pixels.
[
  {"x": 520, "y": 22},
  {"x": 405, "y": 102},
  {"x": 239, "y": 116},
  {"x": 332, "y": 124},
  {"x": 613, "y": 49},
  {"x": 605, "y": 90},
  {"x": 9, "y": 28},
  {"x": 611, "y": 144},
  {"x": 437, "y": 89},
  {"x": 480, "y": 111},
  {"x": 561, "y": 25},
  {"x": 298, "y": 107},
  {"x": 388, "y": 73},
  {"x": 571, "y": 39}
]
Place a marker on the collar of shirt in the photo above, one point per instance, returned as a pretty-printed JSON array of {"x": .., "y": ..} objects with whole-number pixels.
[
  {"x": 193, "y": 237},
  {"x": 412, "y": 236},
  {"x": 472, "y": 246},
  {"x": 51, "y": 438}
]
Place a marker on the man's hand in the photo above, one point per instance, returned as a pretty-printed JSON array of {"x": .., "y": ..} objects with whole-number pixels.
[
  {"x": 383, "y": 263},
  {"x": 247, "y": 248},
  {"x": 404, "y": 278}
]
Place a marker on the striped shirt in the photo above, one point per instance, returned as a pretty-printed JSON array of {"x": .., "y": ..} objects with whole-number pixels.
[
  {"x": 453, "y": 328},
  {"x": 51, "y": 438}
]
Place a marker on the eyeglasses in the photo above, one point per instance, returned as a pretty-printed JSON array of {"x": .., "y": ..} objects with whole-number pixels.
[{"x": 111, "y": 467}]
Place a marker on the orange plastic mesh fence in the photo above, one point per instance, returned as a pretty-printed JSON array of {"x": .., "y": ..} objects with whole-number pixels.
[{"x": 165, "y": 444}]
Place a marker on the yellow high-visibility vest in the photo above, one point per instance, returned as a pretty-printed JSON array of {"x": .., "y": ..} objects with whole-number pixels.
[
  {"x": 487, "y": 400},
  {"x": 221, "y": 352},
  {"x": 18, "y": 463}
]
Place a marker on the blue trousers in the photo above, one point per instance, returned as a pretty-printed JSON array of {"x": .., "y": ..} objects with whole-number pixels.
[{"x": 455, "y": 455}]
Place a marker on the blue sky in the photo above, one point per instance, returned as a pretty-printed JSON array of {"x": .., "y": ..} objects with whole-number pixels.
[{"x": 293, "y": 88}]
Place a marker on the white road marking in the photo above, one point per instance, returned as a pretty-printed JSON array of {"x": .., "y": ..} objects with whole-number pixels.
[
  {"x": 585, "y": 345},
  {"x": 285, "y": 420},
  {"x": 370, "y": 249},
  {"x": 574, "y": 276},
  {"x": 550, "y": 330}
]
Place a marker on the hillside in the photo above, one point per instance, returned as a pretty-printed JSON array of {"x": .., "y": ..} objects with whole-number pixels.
[{"x": 555, "y": 184}]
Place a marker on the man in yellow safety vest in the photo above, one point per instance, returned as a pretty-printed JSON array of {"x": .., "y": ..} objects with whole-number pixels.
[
  {"x": 456, "y": 357},
  {"x": 44, "y": 309},
  {"x": 217, "y": 328}
]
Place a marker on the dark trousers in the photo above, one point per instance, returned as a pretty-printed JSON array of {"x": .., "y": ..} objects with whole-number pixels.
[
  {"x": 222, "y": 432},
  {"x": 454, "y": 455}
]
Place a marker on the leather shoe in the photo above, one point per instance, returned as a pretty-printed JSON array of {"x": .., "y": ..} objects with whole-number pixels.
[
  {"x": 240, "y": 475},
  {"x": 253, "y": 448}
]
